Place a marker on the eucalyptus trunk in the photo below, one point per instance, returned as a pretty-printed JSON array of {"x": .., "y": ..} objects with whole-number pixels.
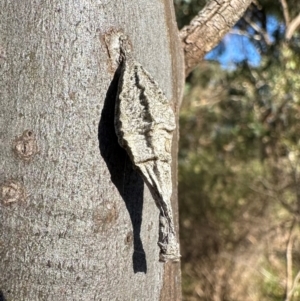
[{"x": 77, "y": 221}]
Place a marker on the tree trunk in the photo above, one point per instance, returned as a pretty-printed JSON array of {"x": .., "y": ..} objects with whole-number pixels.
[{"x": 77, "y": 221}]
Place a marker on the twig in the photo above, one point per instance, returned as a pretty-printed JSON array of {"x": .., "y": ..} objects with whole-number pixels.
[
  {"x": 286, "y": 14},
  {"x": 244, "y": 33},
  {"x": 297, "y": 190},
  {"x": 291, "y": 292},
  {"x": 289, "y": 263},
  {"x": 292, "y": 27},
  {"x": 260, "y": 30},
  {"x": 272, "y": 192}
]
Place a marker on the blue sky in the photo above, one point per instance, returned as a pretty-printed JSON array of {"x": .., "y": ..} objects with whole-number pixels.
[{"x": 236, "y": 48}]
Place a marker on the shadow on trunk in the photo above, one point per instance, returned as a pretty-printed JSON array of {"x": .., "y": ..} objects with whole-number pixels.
[
  {"x": 127, "y": 180},
  {"x": 2, "y": 298}
]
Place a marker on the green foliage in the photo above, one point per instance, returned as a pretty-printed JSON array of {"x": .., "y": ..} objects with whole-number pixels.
[
  {"x": 275, "y": 8},
  {"x": 239, "y": 178},
  {"x": 186, "y": 10}
]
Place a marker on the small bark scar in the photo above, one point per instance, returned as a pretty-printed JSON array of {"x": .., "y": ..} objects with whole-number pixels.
[
  {"x": 2, "y": 54},
  {"x": 25, "y": 147},
  {"x": 144, "y": 124},
  {"x": 12, "y": 191}
]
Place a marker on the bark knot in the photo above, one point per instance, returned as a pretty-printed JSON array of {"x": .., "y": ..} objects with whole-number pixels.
[{"x": 25, "y": 147}]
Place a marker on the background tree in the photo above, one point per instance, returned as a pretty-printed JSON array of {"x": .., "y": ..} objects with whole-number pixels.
[
  {"x": 77, "y": 222},
  {"x": 239, "y": 162}
]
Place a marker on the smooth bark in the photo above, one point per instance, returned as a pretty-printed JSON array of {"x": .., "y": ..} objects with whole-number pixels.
[{"x": 77, "y": 222}]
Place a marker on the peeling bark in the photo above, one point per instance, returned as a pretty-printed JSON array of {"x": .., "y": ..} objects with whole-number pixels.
[{"x": 207, "y": 29}]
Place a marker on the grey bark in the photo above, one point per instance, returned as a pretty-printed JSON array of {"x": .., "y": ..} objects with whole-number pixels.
[
  {"x": 76, "y": 220},
  {"x": 207, "y": 29}
]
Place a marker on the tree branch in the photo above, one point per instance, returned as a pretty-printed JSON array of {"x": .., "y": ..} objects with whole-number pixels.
[
  {"x": 292, "y": 27},
  {"x": 207, "y": 29},
  {"x": 295, "y": 283},
  {"x": 290, "y": 284},
  {"x": 286, "y": 14},
  {"x": 259, "y": 30},
  {"x": 289, "y": 262}
]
